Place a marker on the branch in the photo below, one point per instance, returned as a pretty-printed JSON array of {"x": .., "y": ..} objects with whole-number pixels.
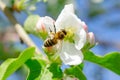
[{"x": 22, "y": 34}]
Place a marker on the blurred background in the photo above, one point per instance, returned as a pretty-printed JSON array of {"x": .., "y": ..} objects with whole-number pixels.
[{"x": 101, "y": 16}]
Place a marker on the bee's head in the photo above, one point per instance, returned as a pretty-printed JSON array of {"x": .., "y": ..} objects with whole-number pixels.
[
  {"x": 64, "y": 31},
  {"x": 61, "y": 34}
]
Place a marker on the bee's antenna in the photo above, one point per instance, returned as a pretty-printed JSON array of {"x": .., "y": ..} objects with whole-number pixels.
[{"x": 54, "y": 28}]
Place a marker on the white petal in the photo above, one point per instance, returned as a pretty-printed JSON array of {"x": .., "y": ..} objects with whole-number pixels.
[
  {"x": 48, "y": 22},
  {"x": 68, "y": 8},
  {"x": 68, "y": 19},
  {"x": 70, "y": 55},
  {"x": 80, "y": 39}
]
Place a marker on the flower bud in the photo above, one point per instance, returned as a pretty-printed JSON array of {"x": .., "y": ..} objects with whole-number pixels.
[
  {"x": 44, "y": 25},
  {"x": 30, "y": 24},
  {"x": 91, "y": 39},
  {"x": 18, "y": 5},
  {"x": 38, "y": 26}
]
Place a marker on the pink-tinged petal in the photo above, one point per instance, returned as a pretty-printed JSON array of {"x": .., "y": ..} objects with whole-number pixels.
[
  {"x": 84, "y": 26},
  {"x": 45, "y": 24},
  {"x": 70, "y": 55}
]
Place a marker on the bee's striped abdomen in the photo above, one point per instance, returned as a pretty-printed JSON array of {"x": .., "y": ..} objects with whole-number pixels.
[{"x": 49, "y": 42}]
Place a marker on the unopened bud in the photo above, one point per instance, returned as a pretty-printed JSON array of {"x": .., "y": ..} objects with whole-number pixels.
[
  {"x": 44, "y": 25},
  {"x": 18, "y": 5},
  {"x": 91, "y": 38}
]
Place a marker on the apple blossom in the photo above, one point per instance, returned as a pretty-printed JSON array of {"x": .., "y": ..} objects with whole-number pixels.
[
  {"x": 77, "y": 35},
  {"x": 70, "y": 52},
  {"x": 75, "y": 39}
]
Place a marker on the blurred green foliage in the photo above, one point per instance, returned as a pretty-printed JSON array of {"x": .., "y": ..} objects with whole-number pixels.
[{"x": 8, "y": 52}]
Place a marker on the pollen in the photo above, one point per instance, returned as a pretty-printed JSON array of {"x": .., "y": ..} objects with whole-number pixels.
[{"x": 70, "y": 35}]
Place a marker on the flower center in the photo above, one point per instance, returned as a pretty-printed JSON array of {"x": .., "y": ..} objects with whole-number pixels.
[{"x": 70, "y": 35}]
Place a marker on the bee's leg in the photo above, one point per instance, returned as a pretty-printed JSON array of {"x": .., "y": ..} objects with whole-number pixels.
[{"x": 50, "y": 30}]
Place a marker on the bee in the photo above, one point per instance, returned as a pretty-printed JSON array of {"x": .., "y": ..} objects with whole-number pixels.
[{"x": 60, "y": 35}]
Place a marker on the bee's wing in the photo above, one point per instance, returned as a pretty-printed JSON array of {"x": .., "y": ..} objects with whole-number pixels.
[
  {"x": 59, "y": 46},
  {"x": 51, "y": 35}
]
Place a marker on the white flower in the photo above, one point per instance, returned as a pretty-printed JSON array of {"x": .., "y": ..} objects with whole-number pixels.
[
  {"x": 70, "y": 53},
  {"x": 75, "y": 39}
]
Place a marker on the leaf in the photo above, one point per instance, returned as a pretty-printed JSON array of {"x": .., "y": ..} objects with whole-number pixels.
[
  {"x": 45, "y": 74},
  {"x": 81, "y": 66},
  {"x": 76, "y": 72},
  {"x": 38, "y": 70},
  {"x": 34, "y": 69},
  {"x": 11, "y": 65},
  {"x": 55, "y": 70},
  {"x": 110, "y": 61}
]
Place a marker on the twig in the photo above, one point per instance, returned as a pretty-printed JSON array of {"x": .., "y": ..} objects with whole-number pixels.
[{"x": 22, "y": 34}]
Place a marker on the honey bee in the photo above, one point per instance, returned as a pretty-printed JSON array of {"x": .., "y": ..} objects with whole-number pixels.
[{"x": 60, "y": 35}]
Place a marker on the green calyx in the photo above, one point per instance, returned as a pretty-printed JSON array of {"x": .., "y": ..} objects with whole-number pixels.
[{"x": 30, "y": 27}]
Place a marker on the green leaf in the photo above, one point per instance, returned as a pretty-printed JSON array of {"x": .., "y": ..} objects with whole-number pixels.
[
  {"x": 81, "y": 66},
  {"x": 75, "y": 71},
  {"x": 34, "y": 69},
  {"x": 38, "y": 69},
  {"x": 11, "y": 65},
  {"x": 45, "y": 74},
  {"x": 56, "y": 70},
  {"x": 110, "y": 61}
]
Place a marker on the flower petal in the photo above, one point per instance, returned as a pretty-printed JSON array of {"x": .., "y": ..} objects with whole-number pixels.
[
  {"x": 70, "y": 55},
  {"x": 84, "y": 26},
  {"x": 80, "y": 39},
  {"x": 68, "y": 19},
  {"x": 46, "y": 22},
  {"x": 68, "y": 8}
]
